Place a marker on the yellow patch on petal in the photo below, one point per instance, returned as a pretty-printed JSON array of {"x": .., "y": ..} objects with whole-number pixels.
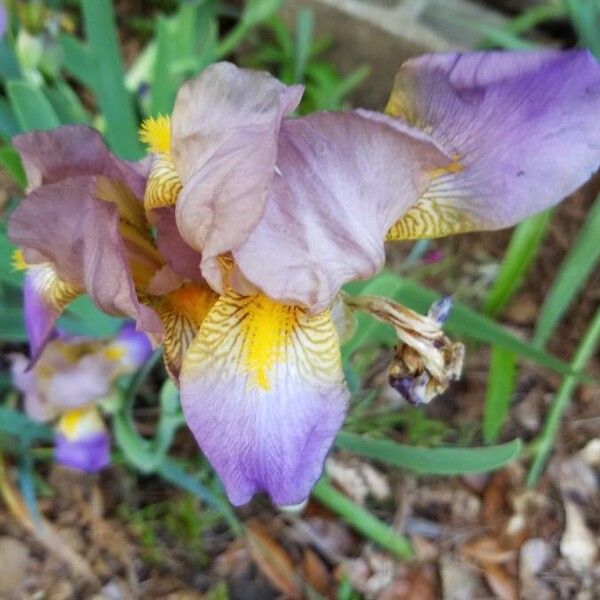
[
  {"x": 155, "y": 132},
  {"x": 164, "y": 184},
  {"x": 401, "y": 104},
  {"x": 114, "y": 352},
  {"x": 257, "y": 336},
  {"x": 266, "y": 327},
  {"x": 80, "y": 423},
  {"x": 55, "y": 292},
  {"x": 18, "y": 260},
  {"x": 182, "y": 312},
  {"x": 435, "y": 213}
]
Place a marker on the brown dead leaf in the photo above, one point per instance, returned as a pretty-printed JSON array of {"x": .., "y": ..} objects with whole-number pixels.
[
  {"x": 273, "y": 561},
  {"x": 315, "y": 572},
  {"x": 423, "y": 584},
  {"x": 487, "y": 550},
  {"x": 500, "y": 582},
  {"x": 495, "y": 500}
]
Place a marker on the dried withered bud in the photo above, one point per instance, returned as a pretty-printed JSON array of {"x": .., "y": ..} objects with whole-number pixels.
[{"x": 426, "y": 360}]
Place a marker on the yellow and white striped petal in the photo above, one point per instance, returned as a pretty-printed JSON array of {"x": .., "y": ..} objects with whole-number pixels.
[
  {"x": 437, "y": 212},
  {"x": 163, "y": 185},
  {"x": 45, "y": 297},
  {"x": 182, "y": 312},
  {"x": 263, "y": 392}
]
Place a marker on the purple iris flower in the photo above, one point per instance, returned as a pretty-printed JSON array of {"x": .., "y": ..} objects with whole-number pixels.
[
  {"x": 64, "y": 383},
  {"x": 261, "y": 218}
]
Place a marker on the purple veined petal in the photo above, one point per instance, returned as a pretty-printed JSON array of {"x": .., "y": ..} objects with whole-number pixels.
[
  {"x": 135, "y": 345},
  {"x": 262, "y": 391},
  {"x": 225, "y": 127},
  {"x": 89, "y": 455},
  {"x": 523, "y": 128},
  {"x": 343, "y": 179}
]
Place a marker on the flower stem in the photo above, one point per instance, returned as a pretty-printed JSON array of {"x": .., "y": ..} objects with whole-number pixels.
[
  {"x": 585, "y": 350},
  {"x": 362, "y": 520}
]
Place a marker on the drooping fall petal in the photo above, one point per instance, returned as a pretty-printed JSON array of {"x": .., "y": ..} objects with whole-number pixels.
[
  {"x": 262, "y": 390},
  {"x": 522, "y": 127}
]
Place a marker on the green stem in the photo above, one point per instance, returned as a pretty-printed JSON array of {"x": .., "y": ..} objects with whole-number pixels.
[
  {"x": 585, "y": 350},
  {"x": 362, "y": 520}
]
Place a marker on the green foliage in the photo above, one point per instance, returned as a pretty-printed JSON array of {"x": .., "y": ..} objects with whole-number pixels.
[
  {"x": 431, "y": 461},
  {"x": 295, "y": 57},
  {"x": 37, "y": 95}
]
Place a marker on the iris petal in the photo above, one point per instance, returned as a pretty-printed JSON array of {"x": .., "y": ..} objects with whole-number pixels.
[
  {"x": 262, "y": 390},
  {"x": 522, "y": 129}
]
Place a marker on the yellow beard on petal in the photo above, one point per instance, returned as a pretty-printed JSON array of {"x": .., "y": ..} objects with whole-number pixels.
[
  {"x": 261, "y": 339},
  {"x": 155, "y": 132},
  {"x": 266, "y": 328},
  {"x": 164, "y": 184}
]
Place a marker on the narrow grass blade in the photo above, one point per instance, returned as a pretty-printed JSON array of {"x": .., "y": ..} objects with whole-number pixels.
[
  {"x": 580, "y": 261},
  {"x": 165, "y": 85},
  {"x": 8, "y": 122},
  {"x": 519, "y": 256},
  {"x": 11, "y": 161},
  {"x": 66, "y": 103},
  {"x": 431, "y": 461},
  {"x": 502, "y": 37},
  {"x": 585, "y": 18},
  {"x": 501, "y": 383},
  {"x": 302, "y": 42},
  {"x": 585, "y": 351},
  {"x": 78, "y": 60},
  {"x": 31, "y": 108},
  {"x": 362, "y": 520},
  {"x": 9, "y": 66},
  {"x": 463, "y": 322},
  {"x": 115, "y": 101}
]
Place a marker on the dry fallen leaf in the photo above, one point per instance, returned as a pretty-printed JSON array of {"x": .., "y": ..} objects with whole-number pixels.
[
  {"x": 273, "y": 561},
  {"x": 316, "y": 572},
  {"x": 487, "y": 549},
  {"x": 500, "y": 582}
]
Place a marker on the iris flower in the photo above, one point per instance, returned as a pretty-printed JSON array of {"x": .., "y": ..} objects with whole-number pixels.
[
  {"x": 232, "y": 244},
  {"x": 70, "y": 376}
]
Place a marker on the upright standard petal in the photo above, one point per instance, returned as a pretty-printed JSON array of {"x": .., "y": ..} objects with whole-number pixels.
[
  {"x": 343, "y": 179},
  {"x": 262, "y": 390},
  {"x": 523, "y": 129},
  {"x": 224, "y": 131}
]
